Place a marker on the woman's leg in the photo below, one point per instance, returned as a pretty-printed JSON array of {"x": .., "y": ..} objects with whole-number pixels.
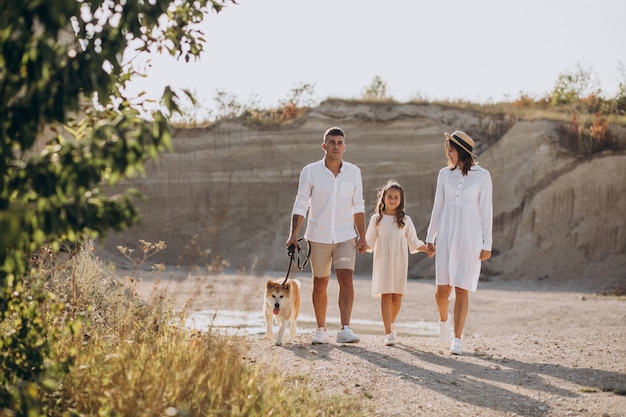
[
  {"x": 441, "y": 296},
  {"x": 385, "y": 309},
  {"x": 461, "y": 306}
]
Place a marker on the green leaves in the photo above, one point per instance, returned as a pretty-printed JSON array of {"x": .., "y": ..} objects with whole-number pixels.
[{"x": 67, "y": 132}]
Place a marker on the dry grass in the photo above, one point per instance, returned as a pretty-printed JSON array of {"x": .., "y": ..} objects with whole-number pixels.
[
  {"x": 127, "y": 357},
  {"x": 533, "y": 110}
]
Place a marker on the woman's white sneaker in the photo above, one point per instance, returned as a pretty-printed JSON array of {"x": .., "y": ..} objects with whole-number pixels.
[
  {"x": 390, "y": 339},
  {"x": 455, "y": 346},
  {"x": 444, "y": 330}
]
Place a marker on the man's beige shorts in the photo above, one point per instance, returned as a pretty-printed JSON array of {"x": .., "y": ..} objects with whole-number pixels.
[{"x": 341, "y": 255}]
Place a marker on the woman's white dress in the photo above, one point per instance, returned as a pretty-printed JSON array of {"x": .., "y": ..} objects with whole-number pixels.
[
  {"x": 391, "y": 246},
  {"x": 460, "y": 225}
]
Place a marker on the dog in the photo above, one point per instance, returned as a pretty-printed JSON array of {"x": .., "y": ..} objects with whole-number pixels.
[{"x": 282, "y": 305}]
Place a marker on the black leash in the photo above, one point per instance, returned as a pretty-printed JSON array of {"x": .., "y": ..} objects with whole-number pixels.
[{"x": 299, "y": 254}]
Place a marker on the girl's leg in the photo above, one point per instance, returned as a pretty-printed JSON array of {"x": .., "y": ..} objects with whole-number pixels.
[
  {"x": 441, "y": 296},
  {"x": 461, "y": 306},
  {"x": 385, "y": 309},
  {"x": 396, "y": 303}
]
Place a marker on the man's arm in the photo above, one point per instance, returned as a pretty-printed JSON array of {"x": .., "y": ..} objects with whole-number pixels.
[
  {"x": 359, "y": 223},
  {"x": 296, "y": 222}
]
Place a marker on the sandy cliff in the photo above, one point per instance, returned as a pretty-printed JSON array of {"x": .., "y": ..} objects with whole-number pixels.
[{"x": 227, "y": 191}]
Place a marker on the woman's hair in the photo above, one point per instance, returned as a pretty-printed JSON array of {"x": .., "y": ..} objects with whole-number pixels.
[
  {"x": 380, "y": 205},
  {"x": 465, "y": 159}
]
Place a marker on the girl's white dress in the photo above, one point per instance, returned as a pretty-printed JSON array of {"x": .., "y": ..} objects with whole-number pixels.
[
  {"x": 461, "y": 224},
  {"x": 391, "y": 246}
]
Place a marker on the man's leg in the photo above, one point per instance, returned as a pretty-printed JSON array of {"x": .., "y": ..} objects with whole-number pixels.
[
  {"x": 346, "y": 294},
  {"x": 320, "y": 299}
]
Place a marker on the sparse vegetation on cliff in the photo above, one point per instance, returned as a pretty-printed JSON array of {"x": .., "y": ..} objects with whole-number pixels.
[{"x": 572, "y": 99}]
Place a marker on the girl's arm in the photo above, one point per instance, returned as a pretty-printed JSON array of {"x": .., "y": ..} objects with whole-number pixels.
[{"x": 414, "y": 242}]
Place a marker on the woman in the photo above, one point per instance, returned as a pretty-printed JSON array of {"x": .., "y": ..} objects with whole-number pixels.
[{"x": 461, "y": 223}]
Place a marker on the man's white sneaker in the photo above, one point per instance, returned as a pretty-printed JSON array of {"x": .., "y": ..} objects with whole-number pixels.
[
  {"x": 321, "y": 337},
  {"x": 444, "y": 330},
  {"x": 346, "y": 335},
  {"x": 455, "y": 346},
  {"x": 390, "y": 339}
]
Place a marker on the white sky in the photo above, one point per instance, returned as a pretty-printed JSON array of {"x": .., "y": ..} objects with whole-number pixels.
[{"x": 482, "y": 50}]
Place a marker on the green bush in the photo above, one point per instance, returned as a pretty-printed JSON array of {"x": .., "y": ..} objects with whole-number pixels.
[{"x": 66, "y": 131}]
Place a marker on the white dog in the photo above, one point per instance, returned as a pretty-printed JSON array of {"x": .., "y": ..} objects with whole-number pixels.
[{"x": 282, "y": 301}]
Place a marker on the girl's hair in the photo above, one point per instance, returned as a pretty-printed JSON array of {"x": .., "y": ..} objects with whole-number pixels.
[
  {"x": 380, "y": 205},
  {"x": 466, "y": 160}
]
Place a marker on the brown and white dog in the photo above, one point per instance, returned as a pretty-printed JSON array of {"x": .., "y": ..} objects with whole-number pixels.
[{"x": 282, "y": 302}]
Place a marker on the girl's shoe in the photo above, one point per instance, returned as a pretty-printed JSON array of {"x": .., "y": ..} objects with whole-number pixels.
[{"x": 390, "y": 339}]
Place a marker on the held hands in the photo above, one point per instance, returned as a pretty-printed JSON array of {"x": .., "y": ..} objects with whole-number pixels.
[
  {"x": 422, "y": 248},
  {"x": 430, "y": 250},
  {"x": 362, "y": 246}
]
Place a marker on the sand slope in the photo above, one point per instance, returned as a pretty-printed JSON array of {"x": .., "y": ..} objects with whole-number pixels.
[{"x": 225, "y": 193}]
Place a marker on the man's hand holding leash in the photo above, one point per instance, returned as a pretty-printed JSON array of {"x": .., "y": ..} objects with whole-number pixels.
[{"x": 296, "y": 222}]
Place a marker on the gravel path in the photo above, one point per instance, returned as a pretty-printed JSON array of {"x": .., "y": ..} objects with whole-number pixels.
[{"x": 530, "y": 349}]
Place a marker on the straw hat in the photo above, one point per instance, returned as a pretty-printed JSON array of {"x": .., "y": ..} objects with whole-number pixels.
[{"x": 463, "y": 140}]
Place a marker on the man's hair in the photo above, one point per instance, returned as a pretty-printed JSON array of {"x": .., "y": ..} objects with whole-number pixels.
[{"x": 333, "y": 131}]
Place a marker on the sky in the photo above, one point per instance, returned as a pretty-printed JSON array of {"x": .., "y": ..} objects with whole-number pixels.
[{"x": 480, "y": 51}]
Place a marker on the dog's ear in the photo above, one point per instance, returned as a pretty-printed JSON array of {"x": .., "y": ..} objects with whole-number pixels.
[
  {"x": 287, "y": 285},
  {"x": 269, "y": 283}
]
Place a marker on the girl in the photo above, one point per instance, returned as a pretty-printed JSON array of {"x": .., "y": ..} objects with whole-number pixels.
[
  {"x": 389, "y": 234},
  {"x": 461, "y": 223}
]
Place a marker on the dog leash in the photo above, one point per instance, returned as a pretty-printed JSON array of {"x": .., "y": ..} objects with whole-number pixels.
[{"x": 293, "y": 254}]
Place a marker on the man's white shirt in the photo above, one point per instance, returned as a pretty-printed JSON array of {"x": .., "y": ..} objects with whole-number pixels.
[{"x": 331, "y": 201}]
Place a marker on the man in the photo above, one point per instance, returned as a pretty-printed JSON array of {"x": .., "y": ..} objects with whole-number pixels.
[{"x": 331, "y": 190}]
